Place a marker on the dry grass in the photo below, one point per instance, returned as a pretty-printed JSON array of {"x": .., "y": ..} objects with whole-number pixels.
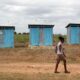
[
  {"x": 37, "y": 64},
  {"x": 40, "y": 55}
]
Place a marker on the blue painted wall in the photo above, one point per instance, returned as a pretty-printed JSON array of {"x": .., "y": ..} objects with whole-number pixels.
[
  {"x": 73, "y": 33},
  {"x": 34, "y": 36},
  {"x": 48, "y": 36},
  {"x": 41, "y": 36},
  {"x": 8, "y": 34},
  {"x": 68, "y": 35}
]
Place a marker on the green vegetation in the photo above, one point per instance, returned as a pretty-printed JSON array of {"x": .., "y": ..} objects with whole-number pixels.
[
  {"x": 21, "y": 38},
  {"x": 24, "y": 38},
  {"x": 57, "y": 36}
]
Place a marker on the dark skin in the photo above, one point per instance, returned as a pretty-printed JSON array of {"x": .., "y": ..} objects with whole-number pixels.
[
  {"x": 60, "y": 48},
  {"x": 63, "y": 59}
]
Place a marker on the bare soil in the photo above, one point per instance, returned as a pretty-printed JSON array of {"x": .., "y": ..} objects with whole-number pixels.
[{"x": 31, "y": 68}]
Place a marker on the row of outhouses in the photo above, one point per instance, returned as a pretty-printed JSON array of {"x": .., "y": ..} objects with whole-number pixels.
[{"x": 40, "y": 35}]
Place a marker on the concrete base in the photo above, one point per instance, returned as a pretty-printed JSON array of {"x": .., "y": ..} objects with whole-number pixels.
[{"x": 41, "y": 47}]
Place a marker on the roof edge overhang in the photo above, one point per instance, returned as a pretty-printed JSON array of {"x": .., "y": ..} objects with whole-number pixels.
[
  {"x": 73, "y": 24},
  {"x": 39, "y": 25},
  {"x": 5, "y": 27}
]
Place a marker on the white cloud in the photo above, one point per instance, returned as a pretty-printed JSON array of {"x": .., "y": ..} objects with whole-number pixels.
[
  {"x": 23, "y": 12},
  {"x": 15, "y": 8}
]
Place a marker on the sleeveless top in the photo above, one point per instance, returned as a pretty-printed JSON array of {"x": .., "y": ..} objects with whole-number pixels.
[{"x": 58, "y": 50}]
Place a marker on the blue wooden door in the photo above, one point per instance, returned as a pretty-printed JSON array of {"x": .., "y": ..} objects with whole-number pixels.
[
  {"x": 48, "y": 40},
  {"x": 69, "y": 35},
  {"x": 9, "y": 38},
  {"x": 1, "y": 38},
  {"x": 34, "y": 36},
  {"x": 75, "y": 35},
  {"x": 41, "y": 35}
]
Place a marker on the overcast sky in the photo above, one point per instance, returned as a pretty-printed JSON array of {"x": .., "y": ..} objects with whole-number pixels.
[{"x": 20, "y": 13}]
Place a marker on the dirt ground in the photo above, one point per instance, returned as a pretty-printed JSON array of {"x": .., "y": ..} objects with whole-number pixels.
[
  {"x": 25, "y": 63},
  {"x": 31, "y": 68}
]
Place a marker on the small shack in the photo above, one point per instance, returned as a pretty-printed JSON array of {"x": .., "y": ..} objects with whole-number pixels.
[
  {"x": 41, "y": 35},
  {"x": 7, "y": 36},
  {"x": 73, "y": 33}
]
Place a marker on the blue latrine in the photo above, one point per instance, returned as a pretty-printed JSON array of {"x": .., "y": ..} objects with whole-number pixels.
[
  {"x": 73, "y": 33},
  {"x": 41, "y": 35},
  {"x": 7, "y": 36}
]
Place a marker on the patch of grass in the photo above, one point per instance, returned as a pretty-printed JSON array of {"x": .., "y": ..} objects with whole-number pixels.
[
  {"x": 56, "y": 38},
  {"x": 21, "y": 38},
  {"x": 24, "y": 38}
]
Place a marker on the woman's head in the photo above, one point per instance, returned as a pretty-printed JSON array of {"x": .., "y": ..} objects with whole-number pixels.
[{"x": 61, "y": 39}]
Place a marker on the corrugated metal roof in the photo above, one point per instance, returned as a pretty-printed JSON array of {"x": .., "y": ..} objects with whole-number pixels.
[
  {"x": 39, "y": 25},
  {"x": 5, "y": 27},
  {"x": 70, "y": 25}
]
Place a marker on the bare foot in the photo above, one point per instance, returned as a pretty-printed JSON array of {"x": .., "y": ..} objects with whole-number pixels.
[
  {"x": 56, "y": 72},
  {"x": 66, "y": 72}
]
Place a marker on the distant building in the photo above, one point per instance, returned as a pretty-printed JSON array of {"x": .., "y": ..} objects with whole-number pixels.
[
  {"x": 7, "y": 36},
  {"x": 73, "y": 33},
  {"x": 41, "y": 35}
]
